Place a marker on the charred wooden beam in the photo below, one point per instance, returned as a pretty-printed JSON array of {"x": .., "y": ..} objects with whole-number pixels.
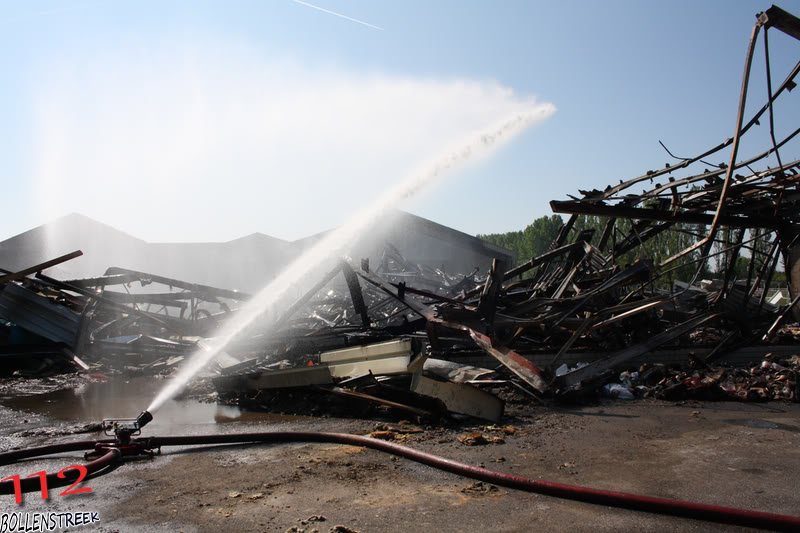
[
  {"x": 487, "y": 306},
  {"x": 777, "y": 18},
  {"x": 13, "y": 276},
  {"x": 207, "y": 291},
  {"x": 643, "y": 213},
  {"x": 355, "y": 293}
]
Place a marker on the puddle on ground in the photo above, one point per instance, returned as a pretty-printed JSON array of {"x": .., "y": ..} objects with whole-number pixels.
[
  {"x": 126, "y": 398},
  {"x": 761, "y": 424}
]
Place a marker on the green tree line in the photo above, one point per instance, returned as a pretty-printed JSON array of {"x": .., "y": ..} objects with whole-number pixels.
[
  {"x": 537, "y": 237},
  {"x": 534, "y": 240}
]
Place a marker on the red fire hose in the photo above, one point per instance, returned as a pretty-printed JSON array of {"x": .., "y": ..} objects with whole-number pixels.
[
  {"x": 107, "y": 458},
  {"x": 664, "y": 506}
]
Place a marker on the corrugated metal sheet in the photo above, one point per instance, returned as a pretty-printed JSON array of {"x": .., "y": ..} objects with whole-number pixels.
[{"x": 39, "y": 315}]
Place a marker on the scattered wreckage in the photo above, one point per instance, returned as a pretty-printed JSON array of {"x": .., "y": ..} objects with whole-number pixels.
[
  {"x": 621, "y": 288},
  {"x": 49, "y": 322}
]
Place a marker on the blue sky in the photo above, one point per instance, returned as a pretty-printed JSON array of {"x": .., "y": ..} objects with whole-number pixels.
[{"x": 195, "y": 121}]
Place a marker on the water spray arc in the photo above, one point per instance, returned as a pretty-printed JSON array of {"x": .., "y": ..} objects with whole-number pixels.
[{"x": 313, "y": 261}]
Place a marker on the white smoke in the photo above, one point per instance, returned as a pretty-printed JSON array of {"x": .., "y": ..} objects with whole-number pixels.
[{"x": 171, "y": 142}]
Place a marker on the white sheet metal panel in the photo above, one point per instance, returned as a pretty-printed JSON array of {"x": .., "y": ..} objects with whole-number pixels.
[
  {"x": 460, "y": 398},
  {"x": 368, "y": 352}
]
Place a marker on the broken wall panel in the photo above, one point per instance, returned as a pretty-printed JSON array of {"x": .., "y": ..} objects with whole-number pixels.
[{"x": 40, "y": 315}]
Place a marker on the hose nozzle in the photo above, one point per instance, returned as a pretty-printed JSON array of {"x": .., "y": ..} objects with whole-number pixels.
[{"x": 143, "y": 419}]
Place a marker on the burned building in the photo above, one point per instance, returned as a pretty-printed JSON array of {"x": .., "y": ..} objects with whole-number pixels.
[
  {"x": 424, "y": 242},
  {"x": 241, "y": 264},
  {"x": 245, "y": 264}
]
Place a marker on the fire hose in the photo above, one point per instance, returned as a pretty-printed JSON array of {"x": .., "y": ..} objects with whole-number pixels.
[{"x": 109, "y": 453}]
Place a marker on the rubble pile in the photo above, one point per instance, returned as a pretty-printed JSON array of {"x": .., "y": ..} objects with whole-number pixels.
[
  {"x": 766, "y": 381},
  {"x": 623, "y": 285}
]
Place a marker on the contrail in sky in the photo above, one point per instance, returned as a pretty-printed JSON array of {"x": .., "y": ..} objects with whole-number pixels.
[{"x": 337, "y": 14}]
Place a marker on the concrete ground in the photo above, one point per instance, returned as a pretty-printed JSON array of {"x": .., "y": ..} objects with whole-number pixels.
[{"x": 743, "y": 455}]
